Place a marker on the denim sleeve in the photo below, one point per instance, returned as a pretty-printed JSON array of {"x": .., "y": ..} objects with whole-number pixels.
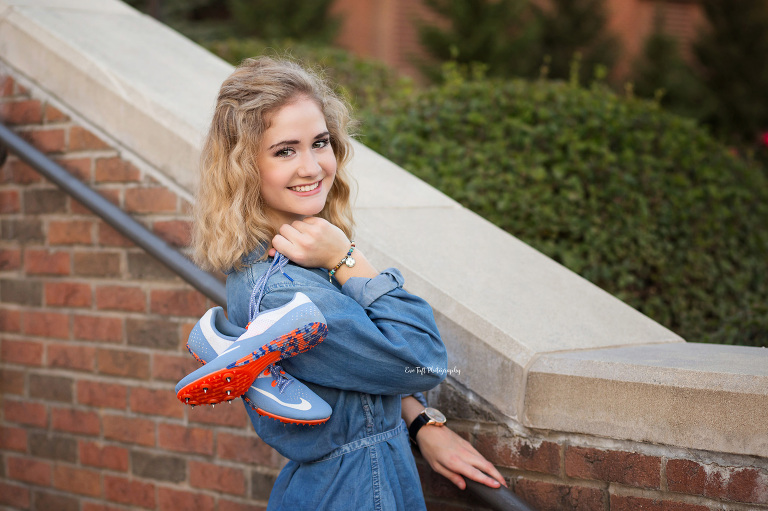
[{"x": 381, "y": 339}]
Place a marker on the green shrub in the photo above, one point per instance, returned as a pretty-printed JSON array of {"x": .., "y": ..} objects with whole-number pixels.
[
  {"x": 363, "y": 81},
  {"x": 643, "y": 203}
]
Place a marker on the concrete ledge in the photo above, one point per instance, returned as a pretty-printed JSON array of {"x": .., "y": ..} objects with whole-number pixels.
[
  {"x": 699, "y": 396},
  {"x": 541, "y": 345}
]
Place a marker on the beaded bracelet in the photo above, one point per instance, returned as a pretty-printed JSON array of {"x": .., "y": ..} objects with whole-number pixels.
[{"x": 348, "y": 260}]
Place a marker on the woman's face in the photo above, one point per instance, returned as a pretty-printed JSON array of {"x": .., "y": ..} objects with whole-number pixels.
[{"x": 296, "y": 163}]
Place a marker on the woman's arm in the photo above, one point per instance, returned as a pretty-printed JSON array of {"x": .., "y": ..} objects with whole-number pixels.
[
  {"x": 448, "y": 454},
  {"x": 381, "y": 339}
]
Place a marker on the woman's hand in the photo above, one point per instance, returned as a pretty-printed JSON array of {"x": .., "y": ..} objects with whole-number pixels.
[
  {"x": 453, "y": 457},
  {"x": 312, "y": 243}
]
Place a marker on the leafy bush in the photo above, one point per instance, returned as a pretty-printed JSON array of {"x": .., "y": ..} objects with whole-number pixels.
[
  {"x": 643, "y": 203},
  {"x": 362, "y": 81}
]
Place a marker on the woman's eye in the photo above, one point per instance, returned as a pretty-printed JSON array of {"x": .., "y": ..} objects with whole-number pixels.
[
  {"x": 284, "y": 153},
  {"x": 319, "y": 144}
]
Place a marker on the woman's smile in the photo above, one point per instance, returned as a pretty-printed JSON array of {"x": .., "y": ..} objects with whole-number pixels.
[
  {"x": 296, "y": 163},
  {"x": 306, "y": 188}
]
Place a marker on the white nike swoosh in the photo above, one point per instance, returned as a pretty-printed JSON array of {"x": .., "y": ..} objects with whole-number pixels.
[
  {"x": 233, "y": 348},
  {"x": 303, "y": 406}
]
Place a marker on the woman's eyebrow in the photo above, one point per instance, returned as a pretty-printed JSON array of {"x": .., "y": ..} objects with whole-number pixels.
[{"x": 293, "y": 142}]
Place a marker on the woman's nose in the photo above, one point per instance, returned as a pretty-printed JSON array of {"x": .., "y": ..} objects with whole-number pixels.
[{"x": 309, "y": 166}]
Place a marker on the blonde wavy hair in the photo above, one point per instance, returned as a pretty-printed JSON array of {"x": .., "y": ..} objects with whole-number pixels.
[{"x": 229, "y": 217}]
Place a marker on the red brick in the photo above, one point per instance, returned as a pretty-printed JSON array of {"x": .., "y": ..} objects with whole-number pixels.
[
  {"x": 6, "y": 86},
  {"x": 70, "y": 232},
  {"x": 150, "y": 200},
  {"x": 13, "y": 439},
  {"x": 111, "y": 194},
  {"x": 10, "y": 259},
  {"x": 748, "y": 484},
  {"x": 43, "y": 262},
  {"x": 9, "y": 201},
  {"x": 130, "y": 364},
  {"x": 96, "y": 454},
  {"x": 169, "y": 499},
  {"x": 740, "y": 484},
  {"x": 75, "y": 421},
  {"x": 79, "y": 167},
  {"x": 47, "y": 140},
  {"x": 27, "y": 111},
  {"x": 97, "y": 264},
  {"x": 613, "y": 466},
  {"x": 156, "y": 402},
  {"x": 129, "y": 430},
  {"x": 11, "y": 382},
  {"x": 231, "y": 505},
  {"x": 115, "y": 170},
  {"x": 71, "y": 356},
  {"x": 216, "y": 477},
  {"x": 247, "y": 449},
  {"x": 10, "y": 320},
  {"x": 126, "y": 491},
  {"x": 102, "y": 395},
  {"x": 176, "y": 232},
  {"x": 100, "y": 506},
  {"x": 111, "y": 238},
  {"x": 545, "y": 496},
  {"x": 93, "y": 506},
  {"x": 224, "y": 415},
  {"x": 178, "y": 302},
  {"x": 627, "y": 503},
  {"x": 82, "y": 481},
  {"x": 80, "y": 139},
  {"x": 14, "y": 496},
  {"x": 172, "y": 367},
  {"x": 30, "y": 471},
  {"x": 123, "y": 298},
  {"x": 16, "y": 171},
  {"x": 46, "y": 324},
  {"x": 520, "y": 453},
  {"x": 98, "y": 328},
  {"x": 53, "y": 114},
  {"x": 67, "y": 294},
  {"x": 172, "y": 437},
  {"x": 28, "y": 353}
]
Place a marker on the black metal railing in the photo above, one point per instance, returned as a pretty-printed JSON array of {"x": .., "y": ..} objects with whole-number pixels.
[
  {"x": 498, "y": 498},
  {"x": 115, "y": 217}
]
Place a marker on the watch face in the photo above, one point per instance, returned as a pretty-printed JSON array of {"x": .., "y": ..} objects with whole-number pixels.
[
  {"x": 434, "y": 414},
  {"x": 350, "y": 262}
]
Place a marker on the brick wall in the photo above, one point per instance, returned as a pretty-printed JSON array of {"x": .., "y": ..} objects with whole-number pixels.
[
  {"x": 556, "y": 471},
  {"x": 92, "y": 334}
]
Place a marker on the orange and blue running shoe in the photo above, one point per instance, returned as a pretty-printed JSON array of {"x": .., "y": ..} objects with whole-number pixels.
[
  {"x": 274, "y": 393},
  {"x": 272, "y": 336}
]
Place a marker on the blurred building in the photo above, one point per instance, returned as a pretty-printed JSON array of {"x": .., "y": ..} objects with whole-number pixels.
[{"x": 387, "y": 29}]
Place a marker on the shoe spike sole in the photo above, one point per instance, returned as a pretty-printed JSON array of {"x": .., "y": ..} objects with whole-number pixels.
[{"x": 234, "y": 380}]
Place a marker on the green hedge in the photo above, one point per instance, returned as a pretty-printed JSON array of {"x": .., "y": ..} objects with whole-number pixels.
[
  {"x": 362, "y": 81},
  {"x": 643, "y": 203}
]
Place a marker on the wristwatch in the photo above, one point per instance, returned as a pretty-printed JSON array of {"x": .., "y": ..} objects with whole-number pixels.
[{"x": 429, "y": 417}]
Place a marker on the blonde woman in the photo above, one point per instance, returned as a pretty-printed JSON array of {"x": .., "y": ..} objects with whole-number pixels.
[{"x": 274, "y": 194}]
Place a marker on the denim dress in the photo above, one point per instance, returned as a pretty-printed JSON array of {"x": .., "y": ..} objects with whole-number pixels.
[{"x": 382, "y": 343}]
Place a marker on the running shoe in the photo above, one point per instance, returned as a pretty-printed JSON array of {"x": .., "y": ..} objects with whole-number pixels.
[
  {"x": 272, "y": 336},
  {"x": 274, "y": 393}
]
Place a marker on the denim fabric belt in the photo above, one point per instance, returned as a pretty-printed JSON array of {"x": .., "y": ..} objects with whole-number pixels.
[{"x": 364, "y": 442}]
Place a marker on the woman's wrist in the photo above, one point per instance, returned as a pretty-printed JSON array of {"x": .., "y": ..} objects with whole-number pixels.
[{"x": 361, "y": 268}]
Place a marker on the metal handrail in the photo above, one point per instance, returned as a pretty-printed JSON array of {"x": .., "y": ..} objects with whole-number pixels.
[
  {"x": 115, "y": 217},
  {"x": 498, "y": 498}
]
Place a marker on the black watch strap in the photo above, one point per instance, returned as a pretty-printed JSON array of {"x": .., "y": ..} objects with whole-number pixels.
[{"x": 416, "y": 425}]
